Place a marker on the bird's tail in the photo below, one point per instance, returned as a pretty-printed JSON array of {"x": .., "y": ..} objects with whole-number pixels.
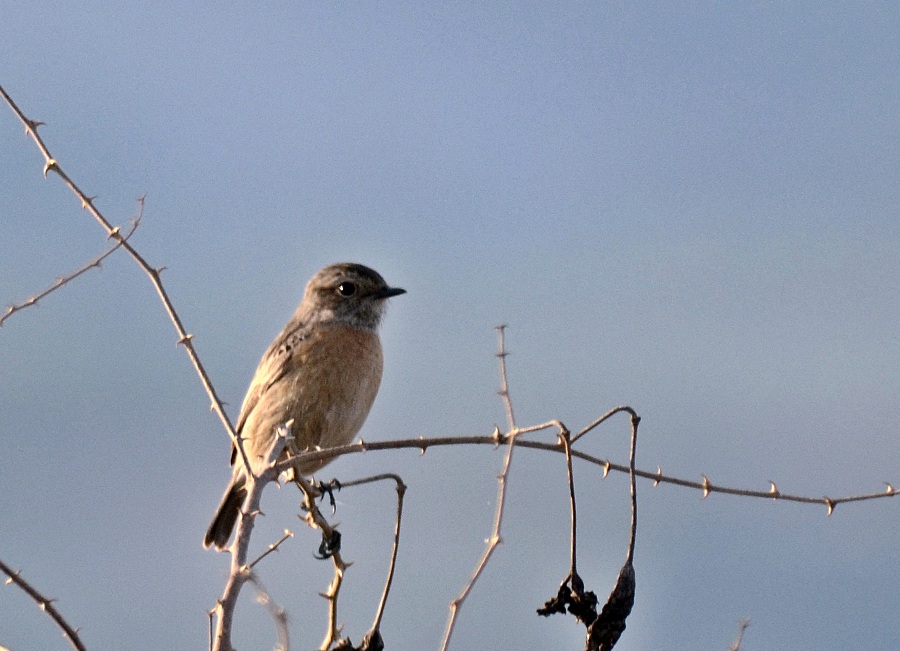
[{"x": 226, "y": 515}]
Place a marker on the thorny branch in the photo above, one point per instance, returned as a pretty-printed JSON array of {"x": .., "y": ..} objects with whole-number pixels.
[
  {"x": 154, "y": 273},
  {"x": 64, "y": 280},
  {"x": 401, "y": 492},
  {"x": 330, "y": 548},
  {"x": 44, "y": 604},
  {"x": 372, "y": 640},
  {"x": 240, "y": 571},
  {"x": 273, "y": 547},
  {"x": 504, "y": 383},
  {"x": 495, "y": 539},
  {"x": 657, "y": 476}
]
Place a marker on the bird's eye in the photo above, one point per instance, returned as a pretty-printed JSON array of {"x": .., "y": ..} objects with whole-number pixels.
[{"x": 347, "y": 289}]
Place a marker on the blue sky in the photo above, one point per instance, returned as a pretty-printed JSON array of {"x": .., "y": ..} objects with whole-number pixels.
[{"x": 691, "y": 208}]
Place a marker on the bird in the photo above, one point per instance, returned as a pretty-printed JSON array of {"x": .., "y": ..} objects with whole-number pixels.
[{"x": 322, "y": 371}]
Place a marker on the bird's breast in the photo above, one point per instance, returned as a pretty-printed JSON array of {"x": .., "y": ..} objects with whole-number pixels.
[{"x": 336, "y": 376}]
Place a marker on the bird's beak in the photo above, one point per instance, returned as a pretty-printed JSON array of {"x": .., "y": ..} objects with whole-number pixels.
[{"x": 387, "y": 292}]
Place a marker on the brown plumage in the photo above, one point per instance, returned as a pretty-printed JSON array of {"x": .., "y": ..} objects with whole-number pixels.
[{"x": 322, "y": 371}]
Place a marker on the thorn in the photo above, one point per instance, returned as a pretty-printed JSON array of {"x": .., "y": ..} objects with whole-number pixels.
[
  {"x": 706, "y": 487},
  {"x": 159, "y": 270},
  {"x": 890, "y": 489},
  {"x": 87, "y": 201},
  {"x": 658, "y": 476},
  {"x": 114, "y": 233},
  {"x": 49, "y": 165},
  {"x": 773, "y": 490},
  {"x": 605, "y": 469},
  {"x": 184, "y": 340},
  {"x": 497, "y": 436},
  {"x": 830, "y": 504}
]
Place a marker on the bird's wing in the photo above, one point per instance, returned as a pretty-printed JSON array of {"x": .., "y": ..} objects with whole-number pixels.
[{"x": 275, "y": 364}]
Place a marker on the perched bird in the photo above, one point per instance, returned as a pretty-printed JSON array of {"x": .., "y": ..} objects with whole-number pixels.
[{"x": 322, "y": 372}]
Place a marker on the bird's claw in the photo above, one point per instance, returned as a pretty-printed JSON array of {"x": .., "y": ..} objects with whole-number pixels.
[
  {"x": 328, "y": 488},
  {"x": 330, "y": 545}
]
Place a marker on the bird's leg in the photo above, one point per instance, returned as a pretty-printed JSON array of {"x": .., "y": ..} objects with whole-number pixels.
[
  {"x": 328, "y": 488},
  {"x": 331, "y": 537}
]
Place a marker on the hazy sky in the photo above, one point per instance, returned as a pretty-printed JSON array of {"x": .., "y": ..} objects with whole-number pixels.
[{"x": 690, "y": 208}]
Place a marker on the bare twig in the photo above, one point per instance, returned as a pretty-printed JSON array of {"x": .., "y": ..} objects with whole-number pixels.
[
  {"x": 743, "y": 625},
  {"x": 273, "y": 547},
  {"x": 504, "y": 384},
  {"x": 330, "y": 548},
  {"x": 495, "y": 539},
  {"x": 44, "y": 604},
  {"x": 87, "y": 203},
  {"x": 276, "y": 611},
  {"x": 401, "y": 491},
  {"x": 571, "y": 595},
  {"x": 612, "y": 412},
  {"x": 605, "y": 631},
  {"x": 333, "y": 632},
  {"x": 498, "y": 438},
  {"x": 573, "y": 549},
  {"x": 64, "y": 280},
  {"x": 605, "y": 628},
  {"x": 372, "y": 640},
  {"x": 635, "y": 421},
  {"x": 240, "y": 571}
]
